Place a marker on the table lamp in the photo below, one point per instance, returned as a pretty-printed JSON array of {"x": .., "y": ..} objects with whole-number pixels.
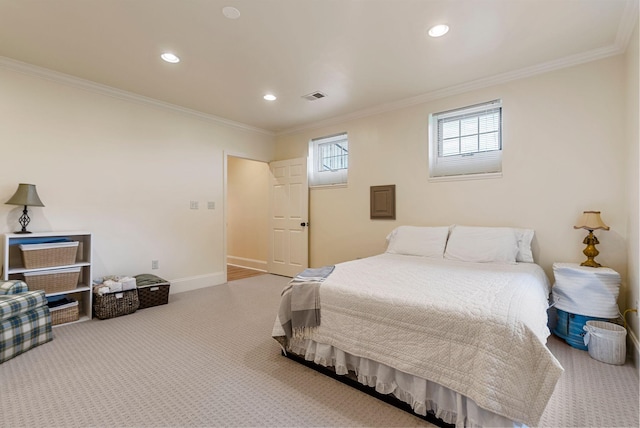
[
  {"x": 591, "y": 221},
  {"x": 27, "y": 196}
]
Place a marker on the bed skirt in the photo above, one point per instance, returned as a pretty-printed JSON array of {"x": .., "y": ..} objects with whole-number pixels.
[{"x": 421, "y": 395}]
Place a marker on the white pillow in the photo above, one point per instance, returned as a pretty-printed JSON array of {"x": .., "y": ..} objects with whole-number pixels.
[
  {"x": 418, "y": 241},
  {"x": 524, "y": 238},
  {"x": 482, "y": 244}
]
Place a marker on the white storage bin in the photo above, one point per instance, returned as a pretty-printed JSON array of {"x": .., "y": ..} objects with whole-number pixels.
[
  {"x": 606, "y": 342},
  {"x": 586, "y": 291}
]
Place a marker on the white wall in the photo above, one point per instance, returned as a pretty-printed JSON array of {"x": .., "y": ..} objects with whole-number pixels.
[
  {"x": 124, "y": 170},
  {"x": 564, "y": 152},
  {"x": 247, "y": 212},
  {"x": 633, "y": 178},
  {"x": 570, "y": 144}
]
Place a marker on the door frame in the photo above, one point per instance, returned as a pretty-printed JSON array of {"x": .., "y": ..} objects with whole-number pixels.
[{"x": 225, "y": 190}]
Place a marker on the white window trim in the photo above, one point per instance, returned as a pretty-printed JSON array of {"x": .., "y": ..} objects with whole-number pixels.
[
  {"x": 466, "y": 177},
  {"x": 325, "y": 179},
  {"x": 491, "y": 158}
]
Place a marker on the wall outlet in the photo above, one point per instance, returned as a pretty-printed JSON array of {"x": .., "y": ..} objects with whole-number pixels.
[
  {"x": 193, "y": 205},
  {"x": 154, "y": 264},
  {"x": 211, "y": 205}
]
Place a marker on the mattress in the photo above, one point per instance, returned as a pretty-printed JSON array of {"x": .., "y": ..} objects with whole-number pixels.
[{"x": 477, "y": 329}]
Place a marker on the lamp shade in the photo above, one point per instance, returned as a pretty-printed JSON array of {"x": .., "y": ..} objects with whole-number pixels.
[
  {"x": 26, "y": 195},
  {"x": 590, "y": 220}
]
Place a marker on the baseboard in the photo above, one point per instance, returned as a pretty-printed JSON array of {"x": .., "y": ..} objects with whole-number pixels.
[
  {"x": 242, "y": 262},
  {"x": 195, "y": 282}
]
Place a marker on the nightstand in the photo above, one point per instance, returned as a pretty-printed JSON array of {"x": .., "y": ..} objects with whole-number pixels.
[{"x": 581, "y": 294}]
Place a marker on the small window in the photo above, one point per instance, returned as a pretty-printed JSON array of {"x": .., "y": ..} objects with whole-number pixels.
[
  {"x": 328, "y": 160},
  {"x": 466, "y": 142}
]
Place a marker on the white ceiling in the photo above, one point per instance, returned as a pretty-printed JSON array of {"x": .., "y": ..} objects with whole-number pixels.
[{"x": 363, "y": 54}]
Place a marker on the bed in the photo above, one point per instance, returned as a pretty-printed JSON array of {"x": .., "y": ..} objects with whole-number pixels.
[{"x": 450, "y": 320}]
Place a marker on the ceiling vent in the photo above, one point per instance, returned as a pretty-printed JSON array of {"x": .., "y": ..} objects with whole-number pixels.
[{"x": 314, "y": 96}]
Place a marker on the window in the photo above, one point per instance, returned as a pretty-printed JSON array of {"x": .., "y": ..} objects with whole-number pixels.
[
  {"x": 466, "y": 141},
  {"x": 328, "y": 160}
]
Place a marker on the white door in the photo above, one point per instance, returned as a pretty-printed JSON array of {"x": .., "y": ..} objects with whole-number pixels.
[{"x": 289, "y": 217}]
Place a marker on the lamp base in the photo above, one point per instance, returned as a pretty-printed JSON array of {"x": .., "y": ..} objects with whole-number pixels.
[
  {"x": 591, "y": 252},
  {"x": 591, "y": 263},
  {"x": 21, "y": 231},
  {"x": 24, "y": 220}
]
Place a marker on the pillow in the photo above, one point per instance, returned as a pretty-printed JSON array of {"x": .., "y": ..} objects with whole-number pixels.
[
  {"x": 418, "y": 241},
  {"x": 482, "y": 244},
  {"x": 524, "y": 238}
]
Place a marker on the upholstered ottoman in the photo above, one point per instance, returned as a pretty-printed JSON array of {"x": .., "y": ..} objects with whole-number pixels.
[{"x": 25, "y": 321}]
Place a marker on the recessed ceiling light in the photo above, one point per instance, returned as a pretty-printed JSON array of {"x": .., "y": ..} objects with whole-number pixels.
[
  {"x": 270, "y": 97},
  {"x": 169, "y": 57},
  {"x": 438, "y": 30},
  {"x": 231, "y": 12}
]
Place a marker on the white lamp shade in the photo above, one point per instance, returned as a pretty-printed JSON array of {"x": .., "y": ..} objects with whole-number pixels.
[{"x": 590, "y": 220}]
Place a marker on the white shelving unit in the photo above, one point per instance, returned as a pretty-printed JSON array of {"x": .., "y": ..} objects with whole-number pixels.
[{"x": 13, "y": 268}]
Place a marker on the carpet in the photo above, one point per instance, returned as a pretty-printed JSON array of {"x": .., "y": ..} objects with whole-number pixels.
[{"x": 207, "y": 359}]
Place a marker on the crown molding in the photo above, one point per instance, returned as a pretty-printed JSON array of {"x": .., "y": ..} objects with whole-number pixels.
[
  {"x": 76, "y": 82},
  {"x": 486, "y": 82},
  {"x": 629, "y": 20},
  {"x": 627, "y": 24},
  {"x": 623, "y": 36}
]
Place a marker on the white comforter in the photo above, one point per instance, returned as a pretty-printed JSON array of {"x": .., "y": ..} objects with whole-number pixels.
[{"x": 478, "y": 329}]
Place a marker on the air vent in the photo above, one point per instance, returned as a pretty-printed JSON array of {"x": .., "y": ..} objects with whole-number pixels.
[{"x": 314, "y": 96}]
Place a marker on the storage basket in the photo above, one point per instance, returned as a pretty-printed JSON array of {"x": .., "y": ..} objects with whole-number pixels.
[
  {"x": 47, "y": 255},
  {"x": 570, "y": 328},
  {"x": 64, "y": 315},
  {"x": 113, "y": 305},
  {"x": 606, "y": 342},
  {"x": 152, "y": 290},
  {"x": 153, "y": 295},
  {"x": 54, "y": 280}
]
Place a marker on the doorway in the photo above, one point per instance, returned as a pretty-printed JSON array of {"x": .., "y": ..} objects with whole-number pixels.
[{"x": 247, "y": 217}]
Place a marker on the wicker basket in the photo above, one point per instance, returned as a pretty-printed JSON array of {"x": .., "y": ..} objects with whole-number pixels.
[
  {"x": 54, "y": 280},
  {"x": 113, "y": 305},
  {"x": 153, "y": 295},
  {"x": 47, "y": 255},
  {"x": 152, "y": 290},
  {"x": 65, "y": 315}
]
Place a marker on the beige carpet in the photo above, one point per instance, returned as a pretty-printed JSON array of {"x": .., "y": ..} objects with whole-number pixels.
[{"x": 207, "y": 359}]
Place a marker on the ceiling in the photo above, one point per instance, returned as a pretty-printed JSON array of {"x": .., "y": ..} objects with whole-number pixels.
[{"x": 363, "y": 54}]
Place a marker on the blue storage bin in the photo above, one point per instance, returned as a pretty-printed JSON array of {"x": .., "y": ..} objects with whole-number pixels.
[{"x": 570, "y": 327}]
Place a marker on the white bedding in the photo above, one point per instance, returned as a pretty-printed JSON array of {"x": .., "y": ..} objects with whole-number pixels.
[
  {"x": 476, "y": 328},
  {"x": 422, "y": 395}
]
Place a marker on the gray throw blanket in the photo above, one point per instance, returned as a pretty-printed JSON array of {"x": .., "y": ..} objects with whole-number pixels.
[{"x": 299, "y": 310}]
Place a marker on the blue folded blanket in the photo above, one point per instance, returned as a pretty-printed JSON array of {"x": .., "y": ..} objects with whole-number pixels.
[{"x": 24, "y": 241}]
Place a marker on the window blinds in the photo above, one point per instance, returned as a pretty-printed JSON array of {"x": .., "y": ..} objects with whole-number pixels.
[
  {"x": 329, "y": 160},
  {"x": 466, "y": 141}
]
